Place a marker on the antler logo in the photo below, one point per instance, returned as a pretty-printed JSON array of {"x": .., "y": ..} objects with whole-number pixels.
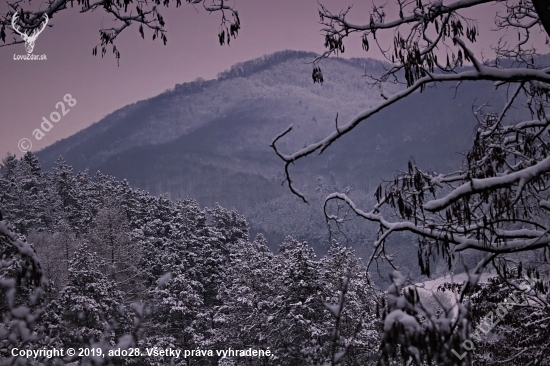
[{"x": 29, "y": 39}]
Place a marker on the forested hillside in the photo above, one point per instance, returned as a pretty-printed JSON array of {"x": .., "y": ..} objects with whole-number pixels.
[
  {"x": 90, "y": 262},
  {"x": 126, "y": 269},
  {"x": 209, "y": 140},
  {"x": 299, "y": 209}
]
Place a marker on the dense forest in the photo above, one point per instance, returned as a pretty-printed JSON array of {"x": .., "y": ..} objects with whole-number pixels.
[
  {"x": 124, "y": 269},
  {"x": 92, "y": 264}
]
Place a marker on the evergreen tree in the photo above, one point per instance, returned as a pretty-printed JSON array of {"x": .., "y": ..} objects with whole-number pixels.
[
  {"x": 301, "y": 289},
  {"x": 64, "y": 182},
  {"x": 18, "y": 187},
  {"x": 250, "y": 306},
  {"x": 89, "y": 308},
  {"x": 230, "y": 224},
  {"x": 177, "y": 305}
]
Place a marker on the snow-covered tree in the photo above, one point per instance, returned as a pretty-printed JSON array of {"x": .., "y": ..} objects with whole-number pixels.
[
  {"x": 110, "y": 237},
  {"x": 232, "y": 226},
  {"x": 23, "y": 196},
  {"x": 53, "y": 261},
  {"x": 22, "y": 286},
  {"x": 496, "y": 204},
  {"x": 250, "y": 297},
  {"x": 89, "y": 308},
  {"x": 21, "y": 20},
  {"x": 353, "y": 302},
  {"x": 522, "y": 324},
  {"x": 301, "y": 294}
]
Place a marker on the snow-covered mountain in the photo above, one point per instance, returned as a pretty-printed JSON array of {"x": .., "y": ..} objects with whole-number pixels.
[{"x": 210, "y": 139}]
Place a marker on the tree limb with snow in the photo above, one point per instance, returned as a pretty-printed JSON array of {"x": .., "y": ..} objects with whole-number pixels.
[
  {"x": 498, "y": 202},
  {"x": 123, "y": 13}
]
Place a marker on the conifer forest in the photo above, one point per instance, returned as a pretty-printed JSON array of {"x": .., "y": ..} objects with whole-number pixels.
[{"x": 275, "y": 183}]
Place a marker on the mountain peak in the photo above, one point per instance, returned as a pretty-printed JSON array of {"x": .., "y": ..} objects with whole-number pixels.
[{"x": 246, "y": 68}]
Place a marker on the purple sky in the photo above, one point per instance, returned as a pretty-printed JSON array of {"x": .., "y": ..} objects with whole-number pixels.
[{"x": 30, "y": 90}]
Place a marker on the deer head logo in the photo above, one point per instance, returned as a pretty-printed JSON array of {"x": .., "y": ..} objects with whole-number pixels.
[{"x": 29, "y": 39}]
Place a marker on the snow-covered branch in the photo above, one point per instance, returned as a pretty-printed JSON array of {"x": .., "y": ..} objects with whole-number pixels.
[
  {"x": 145, "y": 14},
  {"x": 26, "y": 251},
  {"x": 475, "y": 186},
  {"x": 484, "y": 73}
]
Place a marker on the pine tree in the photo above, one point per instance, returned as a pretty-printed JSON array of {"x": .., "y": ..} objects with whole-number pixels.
[
  {"x": 230, "y": 224},
  {"x": 250, "y": 302},
  {"x": 32, "y": 162},
  {"x": 177, "y": 304},
  {"x": 64, "y": 182},
  {"x": 12, "y": 193},
  {"x": 89, "y": 308},
  {"x": 301, "y": 289}
]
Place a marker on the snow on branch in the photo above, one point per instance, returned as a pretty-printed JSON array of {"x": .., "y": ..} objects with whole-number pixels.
[
  {"x": 484, "y": 73},
  {"x": 25, "y": 249},
  {"x": 480, "y": 185},
  {"x": 416, "y": 58},
  {"x": 147, "y": 15}
]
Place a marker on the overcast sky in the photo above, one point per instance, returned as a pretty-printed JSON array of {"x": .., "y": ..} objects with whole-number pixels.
[{"x": 30, "y": 90}]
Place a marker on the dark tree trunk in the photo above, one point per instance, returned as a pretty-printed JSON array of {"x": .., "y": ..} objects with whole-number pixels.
[{"x": 543, "y": 10}]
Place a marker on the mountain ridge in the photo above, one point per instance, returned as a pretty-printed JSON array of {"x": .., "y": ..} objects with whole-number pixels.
[
  {"x": 209, "y": 140},
  {"x": 143, "y": 117}
]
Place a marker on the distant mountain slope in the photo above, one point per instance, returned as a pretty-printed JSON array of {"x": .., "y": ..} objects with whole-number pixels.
[
  {"x": 271, "y": 82},
  {"x": 210, "y": 139}
]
